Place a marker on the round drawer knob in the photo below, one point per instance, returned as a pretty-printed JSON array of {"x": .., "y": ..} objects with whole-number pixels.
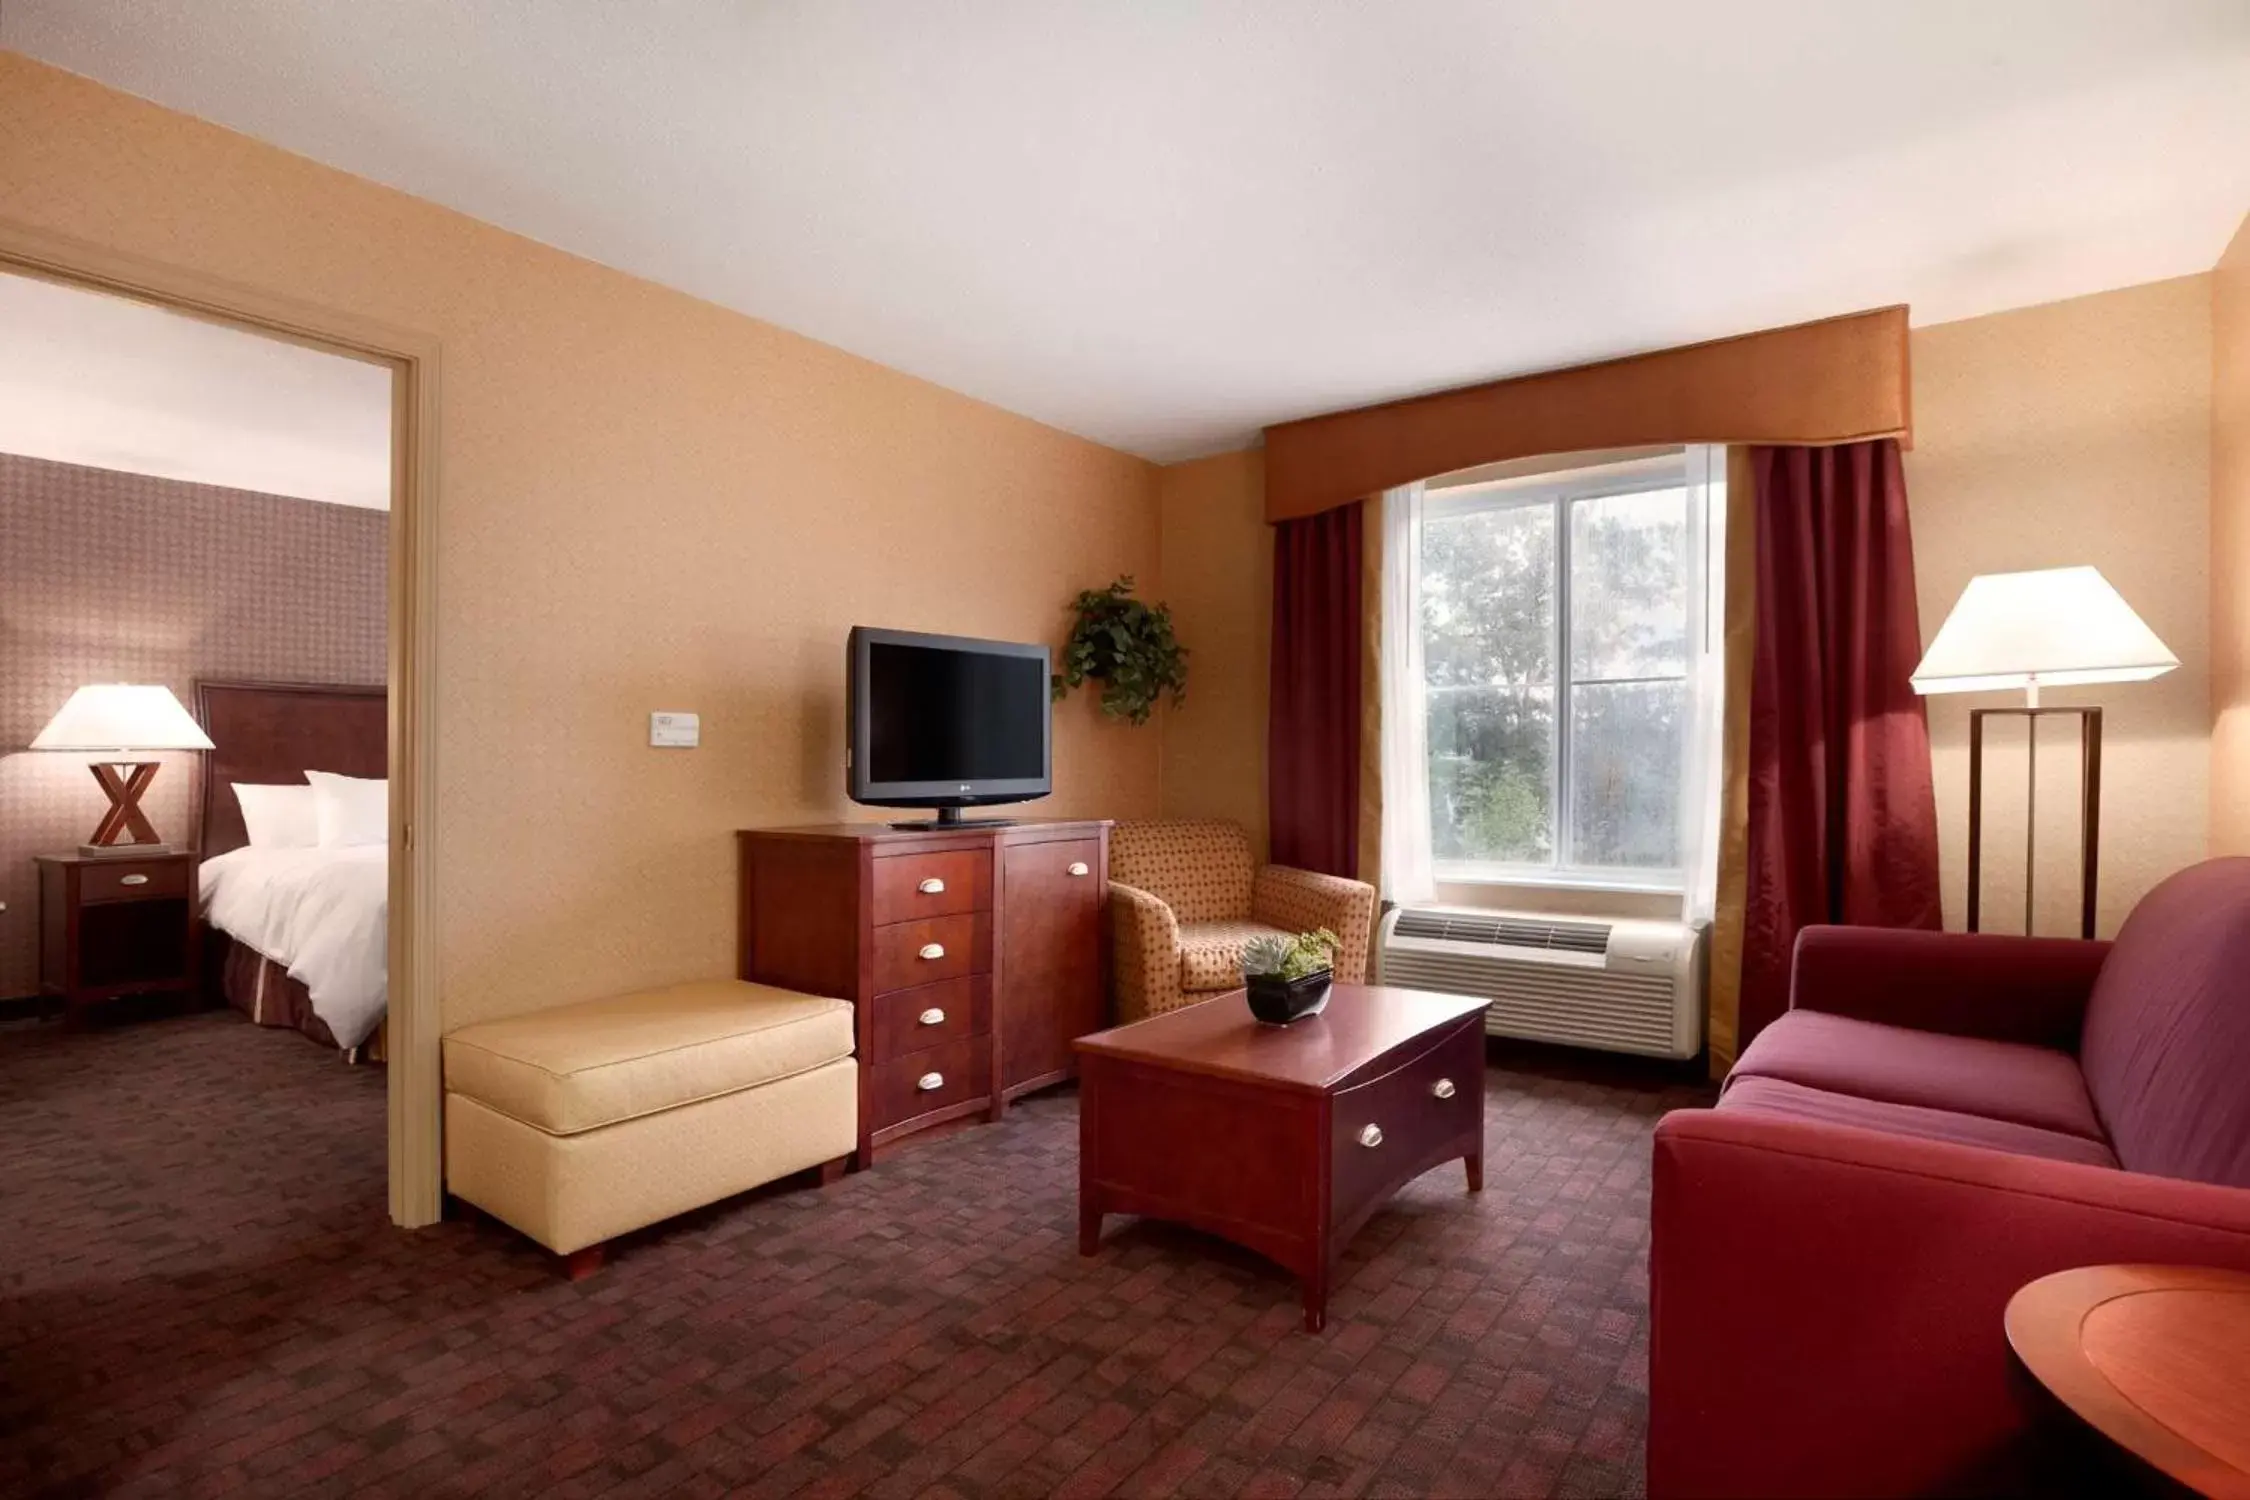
[
  {"x": 932, "y": 887},
  {"x": 933, "y": 950},
  {"x": 1443, "y": 1088},
  {"x": 1371, "y": 1135},
  {"x": 933, "y": 1017},
  {"x": 1078, "y": 867},
  {"x": 930, "y": 1082},
  {"x": 132, "y": 880}
]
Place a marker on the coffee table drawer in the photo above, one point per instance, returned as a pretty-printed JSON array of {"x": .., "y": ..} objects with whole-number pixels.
[
  {"x": 1393, "y": 1128},
  {"x": 952, "y": 1073}
]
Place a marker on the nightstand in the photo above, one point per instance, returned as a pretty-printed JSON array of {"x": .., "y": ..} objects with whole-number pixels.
[{"x": 122, "y": 924}]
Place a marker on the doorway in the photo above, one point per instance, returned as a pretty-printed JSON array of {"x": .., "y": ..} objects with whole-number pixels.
[{"x": 413, "y": 1082}]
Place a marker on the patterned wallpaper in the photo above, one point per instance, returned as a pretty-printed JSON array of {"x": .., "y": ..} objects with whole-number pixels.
[{"x": 110, "y": 577}]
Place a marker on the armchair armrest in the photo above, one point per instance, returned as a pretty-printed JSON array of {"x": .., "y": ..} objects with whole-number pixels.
[
  {"x": 1827, "y": 1302},
  {"x": 1299, "y": 901},
  {"x": 1145, "y": 953},
  {"x": 2011, "y": 989}
]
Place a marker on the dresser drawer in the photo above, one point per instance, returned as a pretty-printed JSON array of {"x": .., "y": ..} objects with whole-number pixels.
[
  {"x": 952, "y": 1073},
  {"x": 951, "y": 1010},
  {"x": 912, "y": 886},
  {"x": 911, "y": 954},
  {"x": 1398, "y": 1126},
  {"x": 132, "y": 880}
]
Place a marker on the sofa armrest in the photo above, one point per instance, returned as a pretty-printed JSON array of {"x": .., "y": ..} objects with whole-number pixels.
[
  {"x": 1145, "y": 953},
  {"x": 1826, "y": 1302},
  {"x": 2013, "y": 989},
  {"x": 1300, "y": 901}
]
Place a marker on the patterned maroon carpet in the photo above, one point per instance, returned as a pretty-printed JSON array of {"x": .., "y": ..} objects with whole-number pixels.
[{"x": 199, "y": 1293}]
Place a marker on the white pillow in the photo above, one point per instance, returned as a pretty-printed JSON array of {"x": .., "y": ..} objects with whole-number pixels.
[
  {"x": 350, "y": 810},
  {"x": 278, "y": 817}
]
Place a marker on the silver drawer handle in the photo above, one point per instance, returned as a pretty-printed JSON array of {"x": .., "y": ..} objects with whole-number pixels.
[
  {"x": 932, "y": 887},
  {"x": 132, "y": 880},
  {"x": 1078, "y": 867},
  {"x": 1371, "y": 1135},
  {"x": 930, "y": 1082},
  {"x": 933, "y": 950},
  {"x": 1443, "y": 1088},
  {"x": 933, "y": 1017}
]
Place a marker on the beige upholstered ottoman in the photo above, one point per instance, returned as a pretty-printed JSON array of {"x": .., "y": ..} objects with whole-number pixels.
[{"x": 580, "y": 1123}]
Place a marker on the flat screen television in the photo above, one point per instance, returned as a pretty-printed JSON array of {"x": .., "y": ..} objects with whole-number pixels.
[{"x": 944, "y": 721}]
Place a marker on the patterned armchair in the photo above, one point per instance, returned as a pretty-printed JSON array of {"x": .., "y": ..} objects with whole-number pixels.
[{"x": 1186, "y": 895}]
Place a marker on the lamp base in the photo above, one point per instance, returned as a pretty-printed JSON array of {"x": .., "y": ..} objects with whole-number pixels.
[
  {"x": 123, "y": 851},
  {"x": 124, "y": 829}
]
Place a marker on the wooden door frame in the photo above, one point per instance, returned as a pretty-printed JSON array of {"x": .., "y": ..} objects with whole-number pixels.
[{"x": 415, "y": 1086}]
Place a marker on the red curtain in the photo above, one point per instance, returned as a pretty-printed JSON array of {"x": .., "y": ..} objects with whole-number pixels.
[
  {"x": 1842, "y": 819},
  {"x": 1312, "y": 725}
]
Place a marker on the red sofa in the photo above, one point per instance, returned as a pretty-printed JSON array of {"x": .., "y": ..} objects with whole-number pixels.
[{"x": 1938, "y": 1119}]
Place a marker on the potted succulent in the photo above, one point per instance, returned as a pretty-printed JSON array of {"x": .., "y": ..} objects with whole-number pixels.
[{"x": 1289, "y": 977}]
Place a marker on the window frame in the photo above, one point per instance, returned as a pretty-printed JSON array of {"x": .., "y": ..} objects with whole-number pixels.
[{"x": 1557, "y": 492}]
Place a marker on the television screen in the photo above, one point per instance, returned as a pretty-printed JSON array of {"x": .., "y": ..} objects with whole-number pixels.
[
  {"x": 945, "y": 721},
  {"x": 942, "y": 715}
]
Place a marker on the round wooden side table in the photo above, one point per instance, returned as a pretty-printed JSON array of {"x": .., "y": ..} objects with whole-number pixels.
[{"x": 2155, "y": 1358}]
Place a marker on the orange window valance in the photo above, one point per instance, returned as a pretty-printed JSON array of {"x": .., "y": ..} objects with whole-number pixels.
[{"x": 1839, "y": 380}]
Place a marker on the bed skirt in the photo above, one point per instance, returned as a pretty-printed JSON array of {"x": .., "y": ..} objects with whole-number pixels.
[{"x": 263, "y": 991}]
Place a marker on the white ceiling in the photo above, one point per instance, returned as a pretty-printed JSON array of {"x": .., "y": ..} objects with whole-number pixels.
[
  {"x": 87, "y": 378},
  {"x": 1166, "y": 223}
]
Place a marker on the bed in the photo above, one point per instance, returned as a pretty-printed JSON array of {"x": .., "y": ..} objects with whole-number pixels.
[{"x": 296, "y": 937}]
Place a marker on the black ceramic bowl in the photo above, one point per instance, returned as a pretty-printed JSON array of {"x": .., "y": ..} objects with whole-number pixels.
[{"x": 1277, "y": 1001}]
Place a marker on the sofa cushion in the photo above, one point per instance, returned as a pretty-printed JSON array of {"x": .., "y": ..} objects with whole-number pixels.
[
  {"x": 576, "y": 1067},
  {"x": 2166, "y": 1046},
  {"x": 1211, "y": 953},
  {"x": 1200, "y": 867},
  {"x": 2029, "y": 1085},
  {"x": 1794, "y": 1101}
]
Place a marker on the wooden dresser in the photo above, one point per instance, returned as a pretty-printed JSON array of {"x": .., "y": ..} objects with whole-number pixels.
[{"x": 973, "y": 956}]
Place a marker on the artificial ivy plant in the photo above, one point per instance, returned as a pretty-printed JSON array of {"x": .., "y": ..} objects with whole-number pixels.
[{"x": 1128, "y": 646}]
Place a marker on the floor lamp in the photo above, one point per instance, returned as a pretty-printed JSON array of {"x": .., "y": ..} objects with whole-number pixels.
[{"x": 2057, "y": 627}]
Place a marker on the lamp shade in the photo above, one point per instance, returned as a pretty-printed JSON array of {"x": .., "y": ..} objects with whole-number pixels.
[
  {"x": 122, "y": 716},
  {"x": 2049, "y": 628}
]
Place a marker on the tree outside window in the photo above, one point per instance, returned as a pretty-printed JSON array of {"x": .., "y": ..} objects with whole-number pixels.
[{"x": 1555, "y": 622}]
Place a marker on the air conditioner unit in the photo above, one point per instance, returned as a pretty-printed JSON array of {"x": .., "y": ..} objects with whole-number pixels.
[{"x": 1625, "y": 986}]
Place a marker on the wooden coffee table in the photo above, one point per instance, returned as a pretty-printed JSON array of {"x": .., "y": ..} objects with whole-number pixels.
[
  {"x": 2155, "y": 1358},
  {"x": 1282, "y": 1139}
]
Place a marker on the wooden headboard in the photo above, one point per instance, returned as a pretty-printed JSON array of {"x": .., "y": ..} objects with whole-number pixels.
[{"x": 275, "y": 732}]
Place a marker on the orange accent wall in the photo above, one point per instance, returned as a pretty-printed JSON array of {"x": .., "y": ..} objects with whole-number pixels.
[
  {"x": 2230, "y": 548},
  {"x": 1218, "y": 578},
  {"x": 647, "y": 502}
]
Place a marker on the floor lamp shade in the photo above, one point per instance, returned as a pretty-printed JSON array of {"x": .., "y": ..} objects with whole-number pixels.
[
  {"x": 2052, "y": 628},
  {"x": 119, "y": 719},
  {"x": 2055, "y": 627}
]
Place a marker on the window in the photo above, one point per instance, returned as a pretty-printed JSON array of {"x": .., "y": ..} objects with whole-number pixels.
[{"x": 1557, "y": 618}]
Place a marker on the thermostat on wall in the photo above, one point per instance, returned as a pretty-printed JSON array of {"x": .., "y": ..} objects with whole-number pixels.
[{"x": 674, "y": 731}]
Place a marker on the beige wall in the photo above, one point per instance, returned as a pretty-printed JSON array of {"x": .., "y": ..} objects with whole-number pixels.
[
  {"x": 647, "y": 502},
  {"x": 1218, "y": 578},
  {"x": 2076, "y": 432},
  {"x": 2230, "y": 548}
]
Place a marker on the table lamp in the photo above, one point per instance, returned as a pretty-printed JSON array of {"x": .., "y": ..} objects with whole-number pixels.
[
  {"x": 120, "y": 719},
  {"x": 2055, "y": 627}
]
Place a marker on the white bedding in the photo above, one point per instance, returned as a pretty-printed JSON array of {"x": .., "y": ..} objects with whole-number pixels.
[{"x": 322, "y": 914}]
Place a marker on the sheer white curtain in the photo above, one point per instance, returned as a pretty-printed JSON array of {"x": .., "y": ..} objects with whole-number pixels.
[
  {"x": 1406, "y": 784},
  {"x": 1700, "y": 770}
]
